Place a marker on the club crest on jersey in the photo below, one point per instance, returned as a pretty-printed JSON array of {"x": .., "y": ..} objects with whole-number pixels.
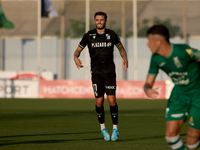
[
  {"x": 177, "y": 62},
  {"x": 94, "y": 37},
  {"x": 189, "y": 51},
  {"x": 108, "y": 36},
  {"x": 191, "y": 121}
]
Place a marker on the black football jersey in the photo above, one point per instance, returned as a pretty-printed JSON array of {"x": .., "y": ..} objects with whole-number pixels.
[{"x": 101, "y": 48}]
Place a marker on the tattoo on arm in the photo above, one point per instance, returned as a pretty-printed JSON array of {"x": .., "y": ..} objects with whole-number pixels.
[
  {"x": 77, "y": 52},
  {"x": 122, "y": 52}
]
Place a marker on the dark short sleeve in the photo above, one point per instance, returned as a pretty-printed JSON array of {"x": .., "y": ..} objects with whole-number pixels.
[
  {"x": 117, "y": 40},
  {"x": 84, "y": 41}
]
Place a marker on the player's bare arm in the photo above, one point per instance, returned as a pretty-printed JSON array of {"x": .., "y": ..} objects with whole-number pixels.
[
  {"x": 151, "y": 93},
  {"x": 77, "y": 61},
  {"x": 123, "y": 55}
]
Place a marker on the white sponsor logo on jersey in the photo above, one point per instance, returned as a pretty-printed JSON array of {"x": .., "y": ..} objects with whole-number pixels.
[
  {"x": 92, "y": 34},
  {"x": 110, "y": 87},
  {"x": 177, "y": 73},
  {"x": 101, "y": 44},
  {"x": 162, "y": 64},
  {"x": 191, "y": 123},
  {"x": 177, "y": 115}
]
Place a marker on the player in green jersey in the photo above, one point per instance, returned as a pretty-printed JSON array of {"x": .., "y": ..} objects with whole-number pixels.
[{"x": 180, "y": 62}]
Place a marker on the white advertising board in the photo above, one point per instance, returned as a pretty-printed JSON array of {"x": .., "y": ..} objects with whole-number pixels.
[{"x": 18, "y": 89}]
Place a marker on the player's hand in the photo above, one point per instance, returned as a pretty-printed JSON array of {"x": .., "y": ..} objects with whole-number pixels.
[
  {"x": 125, "y": 64},
  {"x": 78, "y": 63},
  {"x": 152, "y": 93}
]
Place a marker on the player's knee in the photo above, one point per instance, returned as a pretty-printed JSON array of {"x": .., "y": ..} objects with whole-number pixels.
[{"x": 194, "y": 146}]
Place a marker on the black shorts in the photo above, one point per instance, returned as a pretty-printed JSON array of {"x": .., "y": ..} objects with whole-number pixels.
[{"x": 104, "y": 83}]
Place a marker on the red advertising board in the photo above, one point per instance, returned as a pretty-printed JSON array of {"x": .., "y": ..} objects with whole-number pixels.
[
  {"x": 134, "y": 89},
  {"x": 66, "y": 89},
  {"x": 83, "y": 89}
]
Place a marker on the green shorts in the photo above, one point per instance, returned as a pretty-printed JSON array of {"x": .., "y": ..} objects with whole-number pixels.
[{"x": 182, "y": 105}]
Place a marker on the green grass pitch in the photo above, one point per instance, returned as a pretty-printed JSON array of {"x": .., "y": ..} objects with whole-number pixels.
[{"x": 71, "y": 124}]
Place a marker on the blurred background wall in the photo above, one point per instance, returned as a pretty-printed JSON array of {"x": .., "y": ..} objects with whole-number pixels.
[{"x": 60, "y": 35}]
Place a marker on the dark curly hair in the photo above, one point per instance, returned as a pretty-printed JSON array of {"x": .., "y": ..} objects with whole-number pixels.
[{"x": 101, "y": 13}]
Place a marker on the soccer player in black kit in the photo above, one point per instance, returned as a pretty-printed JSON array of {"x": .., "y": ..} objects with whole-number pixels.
[{"x": 100, "y": 42}]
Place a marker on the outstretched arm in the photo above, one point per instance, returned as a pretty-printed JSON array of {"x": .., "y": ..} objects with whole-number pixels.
[
  {"x": 77, "y": 61},
  {"x": 151, "y": 93},
  {"x": 123, "y": 55}
]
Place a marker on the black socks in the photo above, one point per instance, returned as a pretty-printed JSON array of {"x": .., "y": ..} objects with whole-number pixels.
[
  {"x": 114, "y": 114},
  {"x": 100, "y": 114}
]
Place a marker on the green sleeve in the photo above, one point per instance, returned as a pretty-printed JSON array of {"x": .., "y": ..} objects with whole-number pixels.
[
  {"x": 153, "y": 69},
  {"x": 194, "y": 54}
]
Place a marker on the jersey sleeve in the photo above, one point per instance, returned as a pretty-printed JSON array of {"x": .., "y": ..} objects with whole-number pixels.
[
  {"x": 153, "y": 68},
  {"x": 117, "y": 40},
  {"x": 194, "y": 54},
  {"x": 83, "y": 42}
]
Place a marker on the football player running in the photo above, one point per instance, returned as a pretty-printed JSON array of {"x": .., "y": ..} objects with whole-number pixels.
[
  {"x": 100, "y": 42},
  {"x": 180, "y": 62}
]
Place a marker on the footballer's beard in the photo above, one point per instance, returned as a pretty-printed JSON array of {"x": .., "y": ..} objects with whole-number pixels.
[{"x": 100, "y": 28}]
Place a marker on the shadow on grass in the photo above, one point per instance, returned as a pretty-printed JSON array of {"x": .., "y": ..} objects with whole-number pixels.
[
  {"x": 44, "y": 141},
  {"x": 145, "y": 138},
  {"x": 31, "y": 135},
  {"x": 8, "y": 142}
]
